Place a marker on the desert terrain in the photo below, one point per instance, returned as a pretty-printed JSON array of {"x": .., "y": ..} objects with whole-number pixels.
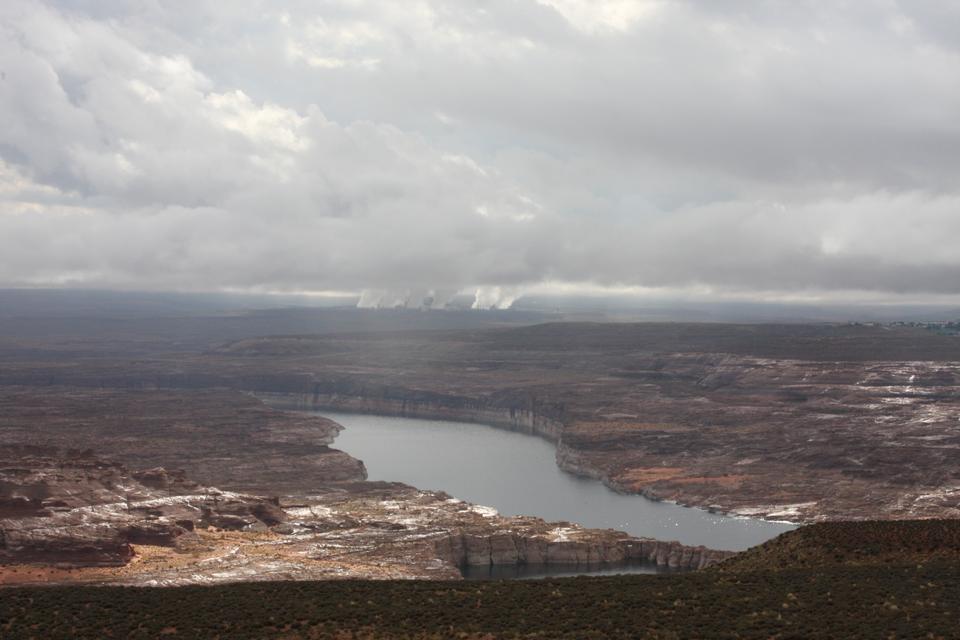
[{"x": 796, "y": 422}]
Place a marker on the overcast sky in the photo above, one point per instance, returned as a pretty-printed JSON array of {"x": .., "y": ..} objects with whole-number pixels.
[{"x": 754, "y": 149}]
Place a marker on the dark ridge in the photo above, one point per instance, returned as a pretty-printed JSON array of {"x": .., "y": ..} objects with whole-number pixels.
[
  {"x": 903, "y": 601},
  {"x": 811, "y": 583},
  {"x": 827, "y": 342},
  {"x": 853, "y": 543}
]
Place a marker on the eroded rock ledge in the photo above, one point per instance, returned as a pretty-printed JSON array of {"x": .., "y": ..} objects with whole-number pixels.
[
  {"x": 72, "y": 517},
  {"x": 70, "y": 508},
  {"x": 507, "y": 410}
]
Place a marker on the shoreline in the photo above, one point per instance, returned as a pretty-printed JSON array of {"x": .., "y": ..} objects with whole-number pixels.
[{"x": 295, "y": 402}]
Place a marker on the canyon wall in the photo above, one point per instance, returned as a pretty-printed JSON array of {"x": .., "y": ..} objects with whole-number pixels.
[
  {"x": 507, "y": 548},
  {"x": 513, "y": 411}
]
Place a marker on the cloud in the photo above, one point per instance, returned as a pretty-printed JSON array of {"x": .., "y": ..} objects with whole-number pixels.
[{"x": 415, "y": 150}]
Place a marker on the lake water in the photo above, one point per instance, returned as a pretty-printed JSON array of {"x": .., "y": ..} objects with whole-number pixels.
[
  {"x": 517, "y": 474},
  {"x": 536, "y": 571}
]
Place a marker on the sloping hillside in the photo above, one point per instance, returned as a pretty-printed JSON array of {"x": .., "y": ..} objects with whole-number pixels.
[
  {"x": 845, "y": 580},
  {"x": 885, "y": 542}
]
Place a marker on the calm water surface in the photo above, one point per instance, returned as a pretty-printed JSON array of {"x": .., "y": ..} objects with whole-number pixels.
[
  {"x": 537, "y": 571},
  {"x": 517, "y": 474}
]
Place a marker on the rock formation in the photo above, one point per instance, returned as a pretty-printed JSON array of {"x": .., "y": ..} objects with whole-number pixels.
[
  {"x": 77, "y": 517},
  {"x": 85, "y": 511}
]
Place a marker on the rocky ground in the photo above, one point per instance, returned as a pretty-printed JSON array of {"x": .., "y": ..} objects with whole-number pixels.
[
  {"x": 70, "y": 517},
  {"x": 219, "y": 437},
  {"x": 800, "y": 422}
]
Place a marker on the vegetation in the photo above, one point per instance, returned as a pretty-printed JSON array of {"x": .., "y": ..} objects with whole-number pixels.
[
  {"x": 879, "y": 542},
  {"x": 837, "y": 580}
]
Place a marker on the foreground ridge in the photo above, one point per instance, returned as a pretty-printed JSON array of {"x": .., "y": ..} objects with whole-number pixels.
[{"x": 831, "y": 580}]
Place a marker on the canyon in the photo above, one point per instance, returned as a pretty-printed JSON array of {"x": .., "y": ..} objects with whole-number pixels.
[
  {"x": 69, "y": 517},
  {"x": 794, "y": 422}
]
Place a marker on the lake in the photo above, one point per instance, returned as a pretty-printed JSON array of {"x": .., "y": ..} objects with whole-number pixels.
[{"x": 517, "y": 474}]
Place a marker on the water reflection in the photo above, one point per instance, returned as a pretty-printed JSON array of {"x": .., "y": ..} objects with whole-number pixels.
[{"x": 538, "y": 571}]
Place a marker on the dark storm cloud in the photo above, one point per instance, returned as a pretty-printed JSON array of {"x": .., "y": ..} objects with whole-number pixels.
[{"x": 438, "y": 145}]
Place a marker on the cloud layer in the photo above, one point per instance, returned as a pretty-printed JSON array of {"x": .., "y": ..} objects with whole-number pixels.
[{"x": 436, "y": 146}]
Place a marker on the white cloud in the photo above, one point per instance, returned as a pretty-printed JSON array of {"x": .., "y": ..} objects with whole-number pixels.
[
  {"x": 598, "y": 15},
  {"x": 421, "y": 148},
  {"x": 267, "y": 125}
]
